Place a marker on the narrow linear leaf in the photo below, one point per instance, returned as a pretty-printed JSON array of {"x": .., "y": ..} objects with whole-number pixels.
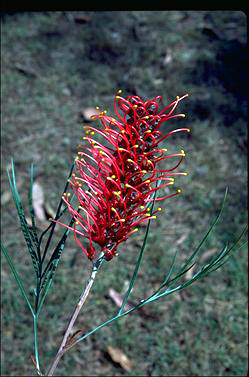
[
  {"x": 23, "y": 222},
  {"x": 16, "y": 276},
  {"x": 194, "y": 254},
  {"x": 138, "y": 260}
]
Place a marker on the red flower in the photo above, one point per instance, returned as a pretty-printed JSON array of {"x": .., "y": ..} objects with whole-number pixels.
[{"x": 114, "y": 183}]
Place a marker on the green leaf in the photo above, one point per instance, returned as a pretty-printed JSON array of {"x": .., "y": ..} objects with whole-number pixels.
[
  {"x": 194, "y": 254},
  {"x": 23, "y": 222},
  {"x": 139, "y": 259},
  {"x": 51, "y": 267},
  {"x": 17, "y": 278}
]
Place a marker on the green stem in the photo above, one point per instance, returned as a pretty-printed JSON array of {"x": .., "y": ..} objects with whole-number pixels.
[{"x": 35, "y": 319}]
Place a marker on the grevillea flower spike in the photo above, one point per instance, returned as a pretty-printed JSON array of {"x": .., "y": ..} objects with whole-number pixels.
[{"x": 114, "y": 184}]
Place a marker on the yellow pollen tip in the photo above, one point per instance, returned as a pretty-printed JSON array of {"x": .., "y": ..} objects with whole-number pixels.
[
  {"x": 113, "y": 176},
  {"x": 164, "y": 149},
  {"x": 148, "y": 209},
  {"x": 113, "y": 209},
  {"x": 148, "y": 181},
  {"x": 153, "y": 217},
  {"x": 123, "y": 132},
  {"x": 188, "y": 130},
  {"x": 159, "y": 208},
  {"x": 92, "y": 133},
  {"x": 177, "y": 97},
  {"x": 119, "y": 91},
  {"x": 135, "y": 230},
  {"x": 84, "y": 138},
  {"x": 122, "y": 220},
  {"x": 184, "y": 173},
  {"x": 179, "y": 191},
  {"x": 129, "y": 160},
  {"x": 144, "y": 171},
  {"x": 142, "y": 207},
  {"x": 118, "y": 97},
  {"x": 148, "y": 131},
  {"x": 135, "y": 106},
  {"x": 97, "y": 107}
]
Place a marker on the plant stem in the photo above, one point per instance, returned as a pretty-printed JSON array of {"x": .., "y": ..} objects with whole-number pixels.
[
  {"x": 36, "y": 344},
  {"x": 75, "y": 314}
]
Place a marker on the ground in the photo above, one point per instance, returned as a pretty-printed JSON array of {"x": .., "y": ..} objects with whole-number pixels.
[{"x": 55, "y": 65}]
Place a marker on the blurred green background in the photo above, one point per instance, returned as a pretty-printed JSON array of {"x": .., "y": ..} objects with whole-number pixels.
[{"x": 55, "y": 65}]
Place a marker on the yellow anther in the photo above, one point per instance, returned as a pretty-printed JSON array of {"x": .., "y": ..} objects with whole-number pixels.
[
  {"x": 121, "y": 149},
  {"x": 150, "y": 162},
  {"x": 117, "y": 193},
  {"x": 87, "y": 132},
  {"x": 147, "y": 214},
  {"x": 144, "y": 171},
  {"x": 113, "y": 209},
  {"x": 179, "y": 190},
  {"x": 92, "y": 133},
  {"x": 135, "y": 230},
  {"x": 127, "y": 185},
  {"x": 104, "y": 111},
  {"x": 177, "y": 97},
  {"x": 135, "y": 146},
  {"x": 113, "y": 176},
  {"x": 109, "y": 178},
  {"x": 164, "y": 149},
  {"x": 76, "y": 158},
  {"x": 73, "y": 175},
  {"x": 122, "y": 220},
  {"x": 188, "y": 130},
  {"x": 76, "y": 222},
  {"x": 97, "y": 107},
  {"x": 183, "y": 115},
  {"x": 123, "y": 132},
  {"x": 184, "y": 173},
  {"x": 148, "y": 209},
  {"x": 148, "y": 181},
  {"x": 147, "y": 132},
  {"x": 142, "y": 207},
  {"x": 153, "y": 217},
  {"x": 135, "y": 106},
  {"x": 68, "y": 194},
  {"x": 118, "y": 97},
  {"x": 119, "y": 91},
  {"x": 146, "y": 117},
  {"x": 84, "y": 138},
  {"x": 159, "y": 208}
]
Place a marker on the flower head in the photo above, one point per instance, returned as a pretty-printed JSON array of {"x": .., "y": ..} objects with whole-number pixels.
[{"x": 114, "y": 184}]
